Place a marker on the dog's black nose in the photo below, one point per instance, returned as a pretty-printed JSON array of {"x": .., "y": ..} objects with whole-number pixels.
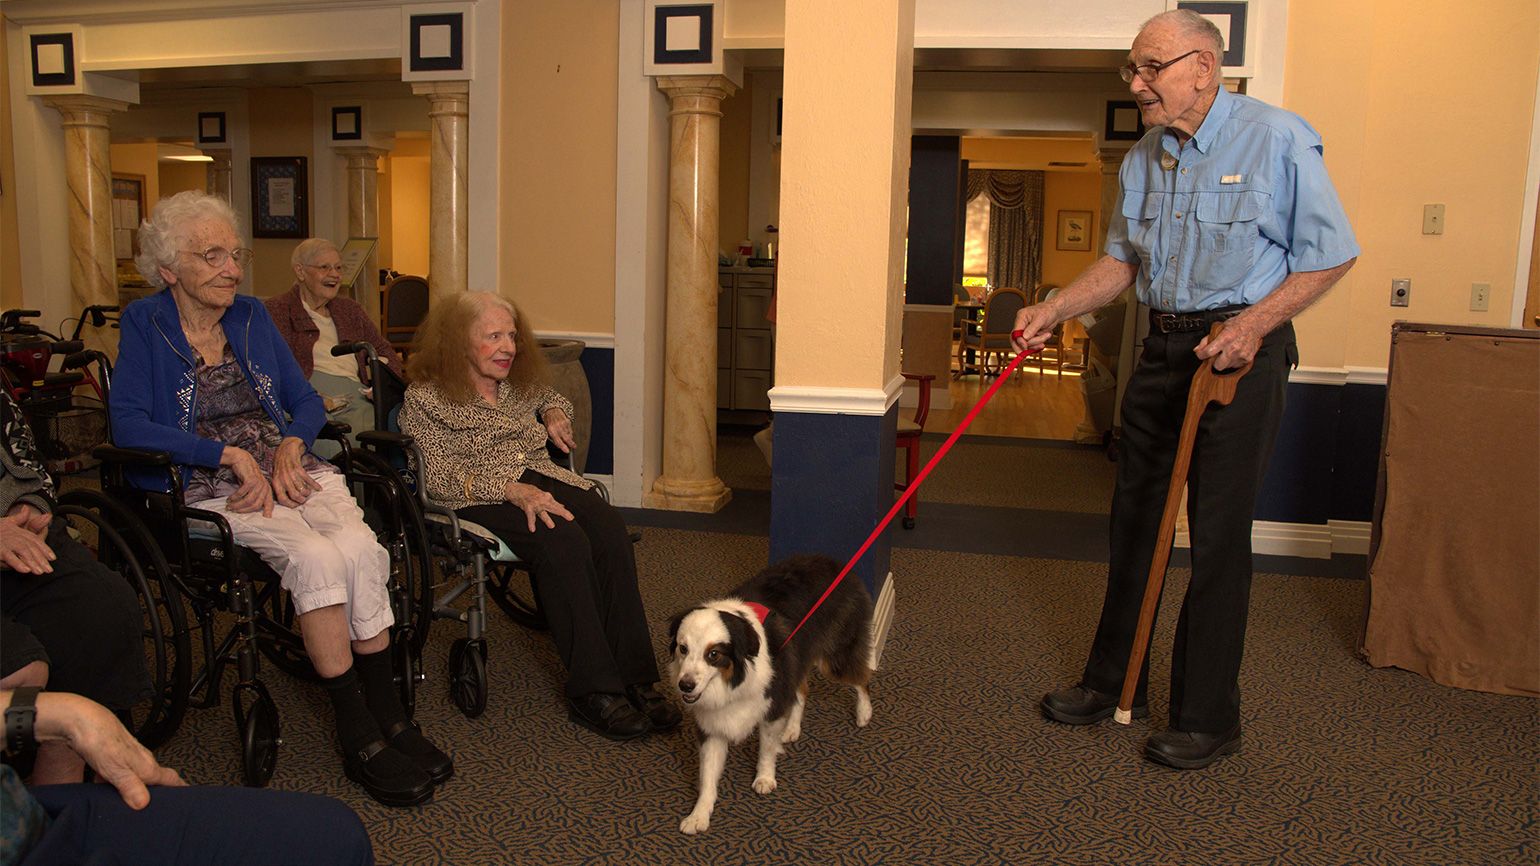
[{"x": 687, "y": 685}]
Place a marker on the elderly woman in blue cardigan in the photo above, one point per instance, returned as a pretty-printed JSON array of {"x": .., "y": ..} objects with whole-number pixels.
[{"x": 204, "y": 375}]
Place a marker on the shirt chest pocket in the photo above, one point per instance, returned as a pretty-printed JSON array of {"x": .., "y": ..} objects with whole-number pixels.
[
  {"x": 1141, "y": 212},
  {"x": 1227, "y": 237}
]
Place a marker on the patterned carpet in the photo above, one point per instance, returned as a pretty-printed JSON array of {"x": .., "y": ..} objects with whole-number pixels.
[{"x": 1341, "y": 764}]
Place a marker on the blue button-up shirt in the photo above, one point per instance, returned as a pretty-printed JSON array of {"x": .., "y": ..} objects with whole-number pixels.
[{"x": 1224, "y": 219}]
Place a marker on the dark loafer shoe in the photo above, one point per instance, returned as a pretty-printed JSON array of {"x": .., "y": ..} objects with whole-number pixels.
[
  {"x": 387, "y": 775},
  {"x": 1191, "y": 750},
  {"x": 658, "y": 709},
  {"x": 608, "y": 715},
  {"x": 1082, "y": 705},
  {"x": 407, "y": 738}
]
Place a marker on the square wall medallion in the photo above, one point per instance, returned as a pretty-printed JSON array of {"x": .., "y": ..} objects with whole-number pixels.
[{"x": 347, "y": 123}]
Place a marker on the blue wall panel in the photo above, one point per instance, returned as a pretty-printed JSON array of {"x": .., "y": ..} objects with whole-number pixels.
[{"x": 832, "y": 483}]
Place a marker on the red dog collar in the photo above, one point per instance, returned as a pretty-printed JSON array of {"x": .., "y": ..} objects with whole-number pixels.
[{"x": 760, "y": 610}]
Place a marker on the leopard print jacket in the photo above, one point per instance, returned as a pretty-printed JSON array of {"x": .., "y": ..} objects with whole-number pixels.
[{"x": 472, "y": 450}]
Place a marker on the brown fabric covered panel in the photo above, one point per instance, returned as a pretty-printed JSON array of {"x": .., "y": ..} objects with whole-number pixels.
[{"x": 1454, "y": 584}]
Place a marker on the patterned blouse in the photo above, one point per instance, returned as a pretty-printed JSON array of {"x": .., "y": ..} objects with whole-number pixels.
[
  {"x": 228, "y": 412},
  {"x": 472, "y": 450}
]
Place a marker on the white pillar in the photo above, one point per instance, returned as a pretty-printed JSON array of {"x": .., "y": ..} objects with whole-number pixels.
[{"x": 448, "y": 224}]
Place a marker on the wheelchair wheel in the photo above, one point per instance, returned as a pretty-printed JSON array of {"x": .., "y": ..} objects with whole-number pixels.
[
  {"x": 256, "y": 722},
  {"x": 408, "y": 666},
  {"x": 121, "y": 542},
  {"x": 514, "y": 592},
  {"x": 279, "y": 639},
  {"x": 468, "y": 676},
  {"x": 391, "y": 508}
]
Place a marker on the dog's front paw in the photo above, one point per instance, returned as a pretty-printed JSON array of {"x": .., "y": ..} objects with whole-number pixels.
[
  {"x": 792, "y": 733},
  {"x": 764, "y": 784},
  {"x": 695, "y": 822},
  {"x": 863, "y": 710}
]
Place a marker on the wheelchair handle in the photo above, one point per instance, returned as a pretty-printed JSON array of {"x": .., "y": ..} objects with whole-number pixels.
[
  {"x": 66, "y": 347},
  {"x": 10, "y": 319},
  {"x": 353, "y": 348}
]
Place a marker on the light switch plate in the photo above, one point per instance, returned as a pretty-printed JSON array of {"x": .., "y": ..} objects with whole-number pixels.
[
  {"x": 1432, "y": 219},
  {"x": 1480, "y": 296},
  {"x": 1400, "y": 293}
]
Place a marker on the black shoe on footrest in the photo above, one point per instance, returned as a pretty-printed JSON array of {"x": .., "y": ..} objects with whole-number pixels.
[
  {"x": 387, "y": 775},
  {"x": 1083, "y": 705},
  {"x": 1191, "y": 750},
  {"x": 407, "y": 738},
  {"x": 608, "y": 715}
]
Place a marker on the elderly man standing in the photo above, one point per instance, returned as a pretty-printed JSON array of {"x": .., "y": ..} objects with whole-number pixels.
[{"x": 1227, "y": 215}]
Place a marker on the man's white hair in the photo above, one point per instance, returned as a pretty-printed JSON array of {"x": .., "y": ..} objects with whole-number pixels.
[{"x": 1191, "y": 25}]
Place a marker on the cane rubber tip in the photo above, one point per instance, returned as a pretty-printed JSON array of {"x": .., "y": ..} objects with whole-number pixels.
[{"x": 1122, "y": 716}]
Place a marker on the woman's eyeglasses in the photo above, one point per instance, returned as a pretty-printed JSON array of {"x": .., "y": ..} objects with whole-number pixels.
[
  {"x": 216, "y": 257},
  {"x": 330, "y": 269}
]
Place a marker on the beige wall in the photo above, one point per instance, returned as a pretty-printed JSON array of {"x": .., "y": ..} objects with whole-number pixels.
[
  {"x": 280, "y": 121},
  {"x": 733, "y": 206},
  {"x": 10, "y": 246},
  {"x": 139, "y": 158},
  {"x": 1455, "y": 133},
  {"x": 410, "y": 173},
  {"x": 177, "y": 176},
  {"x": 557, "y": 148},
  {"x": 1068, "y": 190}
]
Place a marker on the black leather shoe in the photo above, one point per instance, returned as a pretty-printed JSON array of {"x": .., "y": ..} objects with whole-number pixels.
[
  {"x": 607, "y": 715},
  {"x": 1082, "y": 705},
  {"x": 658, "y": 709},
  {"x": 1191, "y": 750},
  {"x": 406, "y": 738},
  {"x": 387, "y": 775}
]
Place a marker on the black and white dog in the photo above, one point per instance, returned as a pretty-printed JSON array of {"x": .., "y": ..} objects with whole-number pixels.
[{"x": 734, "y": 674}]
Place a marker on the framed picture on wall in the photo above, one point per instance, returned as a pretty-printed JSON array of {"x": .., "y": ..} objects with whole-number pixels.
[
  {"x": 1074, "y": 230},
  {"x": 280, "y": 200},
  {"x": 127, "y": 214}
]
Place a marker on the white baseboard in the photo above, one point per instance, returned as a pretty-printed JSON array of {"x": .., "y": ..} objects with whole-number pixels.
[
  {"x": 882, "y": 618},
  {"x": 1309, "y": 540}
]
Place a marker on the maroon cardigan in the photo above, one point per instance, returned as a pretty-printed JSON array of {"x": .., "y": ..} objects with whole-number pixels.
[{"x": 300, "y": 332}]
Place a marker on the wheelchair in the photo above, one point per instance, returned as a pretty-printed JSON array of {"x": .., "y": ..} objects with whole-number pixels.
[
  {"x": 67, "y": 423},
  {"x": 240, "y": 612},
  {"x": 471, "y": 556}
]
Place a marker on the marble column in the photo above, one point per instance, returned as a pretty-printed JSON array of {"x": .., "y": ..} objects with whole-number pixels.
[
  {"x": 218, "y": 182},
  {"x": 364, "y": 219},
  {"x": 448, "y": 228},
  {"x": 88, "y": 175},
  {"x": 689, "y": 481}
]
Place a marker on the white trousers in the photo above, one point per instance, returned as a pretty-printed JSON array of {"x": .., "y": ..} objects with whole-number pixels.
[{"x": 323, "y": 551}]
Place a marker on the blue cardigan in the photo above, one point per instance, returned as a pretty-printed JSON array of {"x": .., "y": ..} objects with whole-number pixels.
[{"x": 154, "y": 399}]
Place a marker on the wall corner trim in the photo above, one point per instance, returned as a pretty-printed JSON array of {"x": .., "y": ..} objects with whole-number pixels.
[
  {"x": 836, "y": 401},
  {"x": 882, "y": 619}
]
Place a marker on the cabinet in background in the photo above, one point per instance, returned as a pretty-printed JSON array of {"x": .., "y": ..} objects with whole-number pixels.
[{"x": 745, "y": 347}]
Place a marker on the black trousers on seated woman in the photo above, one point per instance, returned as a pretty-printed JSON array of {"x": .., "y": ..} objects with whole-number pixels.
[{"x": 585, "y": 580}]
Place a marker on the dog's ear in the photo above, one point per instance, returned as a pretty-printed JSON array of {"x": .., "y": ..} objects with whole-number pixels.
[
  {"x": 673, "y": 629},
  {"x": 745, "y": 643}
]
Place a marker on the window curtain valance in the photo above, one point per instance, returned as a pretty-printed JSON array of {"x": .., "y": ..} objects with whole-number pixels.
[{"x": 1015, "y": 225}]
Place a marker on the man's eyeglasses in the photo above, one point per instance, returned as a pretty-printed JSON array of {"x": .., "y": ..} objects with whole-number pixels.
[
  {"x": 1147, "y": 72},
  {"x": 216, "y": 257},
  {"x": 330, "y": 269}
]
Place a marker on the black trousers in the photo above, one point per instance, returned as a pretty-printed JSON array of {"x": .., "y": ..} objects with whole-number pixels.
[
  {"x": 1229, "y": 461},
  {"x": 82, "y": 619},
  {"x": 585, "y": 579}
]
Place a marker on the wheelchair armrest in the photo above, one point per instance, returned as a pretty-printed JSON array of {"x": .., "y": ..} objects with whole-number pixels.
[
  {"x": 131, "y": 456},
  {"x": 334, "y": 430},
  {"x": 380, "y": 439},
  {"x": 226, "y": 534}
]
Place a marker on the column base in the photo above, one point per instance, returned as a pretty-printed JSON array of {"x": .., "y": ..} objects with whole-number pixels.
[{"x": 706, "y": 497}]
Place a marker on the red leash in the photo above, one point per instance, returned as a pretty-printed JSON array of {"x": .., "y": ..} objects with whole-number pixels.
[{"x": 914, "y": 485}]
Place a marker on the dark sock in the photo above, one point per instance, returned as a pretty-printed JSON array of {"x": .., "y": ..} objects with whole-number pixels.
[
  {"x": 356, "y": 727},
  {"x": 377, "y": 676}
]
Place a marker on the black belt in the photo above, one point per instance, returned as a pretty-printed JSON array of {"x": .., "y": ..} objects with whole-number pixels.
[{"x": 1177, "y": 323}]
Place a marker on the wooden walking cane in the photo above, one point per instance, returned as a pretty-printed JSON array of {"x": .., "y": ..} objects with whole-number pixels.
[{"x": 1207, "y": 387}]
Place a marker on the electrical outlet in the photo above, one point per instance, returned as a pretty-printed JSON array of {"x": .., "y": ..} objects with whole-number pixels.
[
  {"x": 1400, "y": 293},
  {"x": 1432, "y": 219},
  {"x": 1480, "y": 296}
]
